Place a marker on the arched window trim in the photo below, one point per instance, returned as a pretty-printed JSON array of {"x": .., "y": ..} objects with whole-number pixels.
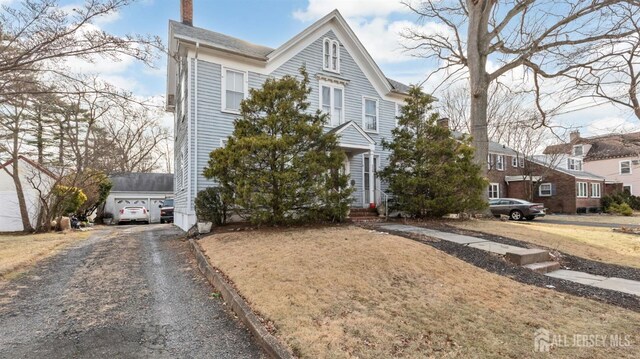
[{"x": 331, "y": 55}]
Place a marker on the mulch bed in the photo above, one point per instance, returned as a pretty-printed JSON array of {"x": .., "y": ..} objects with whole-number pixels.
[{"x": 497, "y": 264}]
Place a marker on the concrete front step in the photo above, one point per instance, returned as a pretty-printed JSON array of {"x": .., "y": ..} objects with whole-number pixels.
[
  {"x": 543, "y": 267},
  {"x": 526, "y": 256}
]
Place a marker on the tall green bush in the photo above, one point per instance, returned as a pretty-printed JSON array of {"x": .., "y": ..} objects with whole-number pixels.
[
  {"x": 430, "y": 173},
  {"x": 279, "y": 163}
]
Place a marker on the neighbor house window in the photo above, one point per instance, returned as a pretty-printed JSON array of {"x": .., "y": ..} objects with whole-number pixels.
[
  {"x": 234, "y": 89},
  {"x": 521, "y": 162},
  {"x": 626, "y": 189},
  {"x": 581, "y": 189},
  {"x": 577, "y": 150},
  {"x": 625, "y": 167},
  {"x": 514, "y": 161},
  {"x": 490, "y": 163},
  {"x": 500, "y": 162},
  {"x": 332, "y": 103},
  {"x": 370, "y": 114},
  {"x": 544, "y": 190},
  {"x": 574, "y": 164},
  {"x": 494, "y": 190},
  {"x": 595, "y": 190},
  {"x": 331, "y": 55}
]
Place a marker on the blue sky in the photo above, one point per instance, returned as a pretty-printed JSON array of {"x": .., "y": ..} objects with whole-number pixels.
[{"x": 377, "y": 23}]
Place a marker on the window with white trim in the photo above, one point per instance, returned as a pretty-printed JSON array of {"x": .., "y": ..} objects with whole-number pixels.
[
  {"x": 494, "y": 190},
  {"x": 398, "y": 112},
  {"x": 544, "y": 190},
  {"x": 625, "y": 167},
  {"x": 370, "y": 114},
  {"x": 521, "y": 162},
  {"x": 500, "y": 162},
  {"x": 514, "y": 161},
  {"x": 331, "y": 55},
  {"x": 234, "y": 89},
  {"x": 595, "y": 190},
  {"x": 581, "y": 190},
  {"x": 332, "y": 103},
  {"x": 574, "y": 164}
]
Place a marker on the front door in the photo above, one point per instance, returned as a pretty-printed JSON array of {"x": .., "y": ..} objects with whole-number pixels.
[{"x": 368, "y": 172}]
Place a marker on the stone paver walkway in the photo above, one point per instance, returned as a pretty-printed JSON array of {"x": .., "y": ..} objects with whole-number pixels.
[{"x": 617, "y": 284}]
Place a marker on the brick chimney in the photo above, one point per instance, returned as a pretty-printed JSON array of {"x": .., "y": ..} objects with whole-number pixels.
[
  {"x": 574, "y": 136},
  {"x": 186, "y": 12},
  {"x": 443, "y": 122}
]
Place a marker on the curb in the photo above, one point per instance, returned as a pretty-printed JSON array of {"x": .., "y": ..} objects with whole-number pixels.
[{"x": 266, "y": 340}]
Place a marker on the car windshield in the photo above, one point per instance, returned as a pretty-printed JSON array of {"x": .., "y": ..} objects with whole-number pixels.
[{"x": 168, "y": 203}]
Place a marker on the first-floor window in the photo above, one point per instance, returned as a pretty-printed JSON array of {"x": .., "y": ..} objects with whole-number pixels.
[
  {"x": 494, "y": 190},
  {"x": 544, "y": 190},
  {"x": 581, "y": 189},
  {"x": 514, "y": 161},
  {"x": 595, "y": 190},
  {"x": 626, "y": 188}
]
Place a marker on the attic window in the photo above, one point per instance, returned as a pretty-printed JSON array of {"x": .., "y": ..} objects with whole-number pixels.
[
  {"x": 331, "y": 55},
  {"x": 577, "y": 150}
]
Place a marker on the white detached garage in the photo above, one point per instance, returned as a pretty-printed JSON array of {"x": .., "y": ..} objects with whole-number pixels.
[{"x": 148, "y": 190}]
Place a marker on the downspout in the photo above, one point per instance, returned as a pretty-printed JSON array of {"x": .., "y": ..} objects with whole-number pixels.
[{"x": 195, "y": 123}]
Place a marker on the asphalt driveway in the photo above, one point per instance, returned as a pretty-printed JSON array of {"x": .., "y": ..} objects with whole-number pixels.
[{"x": 127, "y": 292}]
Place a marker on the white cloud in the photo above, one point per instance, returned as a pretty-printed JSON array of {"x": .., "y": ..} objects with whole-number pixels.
[
  {"x": 349, "y": 8},
  {"x": 612, "y": 125}
]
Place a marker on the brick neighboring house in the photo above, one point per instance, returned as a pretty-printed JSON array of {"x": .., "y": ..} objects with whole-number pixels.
[
  {"x": 512, "y": 175},
  {"x": 616, "y": 157}
]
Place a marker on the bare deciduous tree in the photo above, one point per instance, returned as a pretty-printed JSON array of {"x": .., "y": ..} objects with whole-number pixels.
[{"x": 544, "y": 38}]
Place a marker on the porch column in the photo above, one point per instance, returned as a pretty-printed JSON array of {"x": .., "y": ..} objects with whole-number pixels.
[{"x": 371, "y": 181}]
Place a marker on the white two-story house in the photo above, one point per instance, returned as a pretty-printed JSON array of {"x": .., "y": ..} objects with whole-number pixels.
[{"x": 209, "y": 74}]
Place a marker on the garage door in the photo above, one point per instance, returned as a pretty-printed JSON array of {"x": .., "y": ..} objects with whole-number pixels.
[
  {"x": 152, "y": 205},
  {"x": 124, "y": 202}
]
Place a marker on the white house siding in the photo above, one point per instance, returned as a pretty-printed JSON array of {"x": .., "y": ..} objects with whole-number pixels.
[
  {"x": 214, "y": 125},
  {"x": 10, "y": 219}
]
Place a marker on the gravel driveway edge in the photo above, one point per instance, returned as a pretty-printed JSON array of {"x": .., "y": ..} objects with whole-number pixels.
[{"x": 266, "y": 340}]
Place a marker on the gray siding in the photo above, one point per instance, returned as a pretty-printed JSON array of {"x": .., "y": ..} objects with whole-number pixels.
[
  {"x": 353, "y": 137},
  {"x": 213, "y": 124}
]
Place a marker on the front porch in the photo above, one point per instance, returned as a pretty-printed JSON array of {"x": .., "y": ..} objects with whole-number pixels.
[{"x": 361, "y": 164}]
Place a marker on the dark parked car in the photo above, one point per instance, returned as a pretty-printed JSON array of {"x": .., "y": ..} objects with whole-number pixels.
[
  {"x": 516, "y": 209},
  {"x": 166, "y": 211}
]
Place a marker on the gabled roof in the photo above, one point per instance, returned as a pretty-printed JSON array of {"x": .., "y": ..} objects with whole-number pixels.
[
  {"x": 267, "y": 55},
  {"x": 142, "y": 182},
  {"x": 348, "y": 124},
  {"x": 219, "y": 41},
  {"x": 494, "y": 147},
  {"x": 576, "y": 174},
  {"x": 602, "y": 147},
  {"x": 33, "y": 164}
]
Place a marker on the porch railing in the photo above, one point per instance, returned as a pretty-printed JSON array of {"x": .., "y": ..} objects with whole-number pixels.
[{"x": 383, "y": 198}]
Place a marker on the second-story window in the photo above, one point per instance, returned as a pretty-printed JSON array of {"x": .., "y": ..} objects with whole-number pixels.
[
  {"x": 500, "y": 162},
  {"x": 235, "y": 88},
  {"x": 370, "y": 114},
  {"x": 332, "y": 103},
  {"x": 574, "y": 164},
  {"x": 331, "y": 55},
  {"x": 625, "y": 167},
  {"x": 577, "y": 150}
]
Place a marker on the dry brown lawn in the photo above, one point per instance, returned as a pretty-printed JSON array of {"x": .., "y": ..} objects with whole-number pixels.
[
  {"x": 19, "y": 251},
  {"x": 348, "y": 292},
  {"x": 596, "y": 243}
]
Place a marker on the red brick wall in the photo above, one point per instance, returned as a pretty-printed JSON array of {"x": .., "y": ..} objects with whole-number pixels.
[{"x": 610, "y": 188}]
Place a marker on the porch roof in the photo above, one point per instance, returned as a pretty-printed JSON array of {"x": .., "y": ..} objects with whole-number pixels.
[{"x": 352, "y": 136}]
